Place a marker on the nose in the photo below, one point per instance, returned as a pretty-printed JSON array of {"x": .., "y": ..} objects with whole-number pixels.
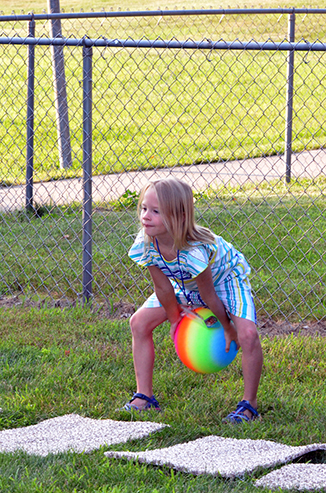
[{"x": 145, "y": 214}]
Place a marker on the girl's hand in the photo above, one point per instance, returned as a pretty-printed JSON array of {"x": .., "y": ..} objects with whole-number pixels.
[
  {"x": 230, "y": 335},
  {"x": 183, "y": 310},
  {"x": 173, "y": 328}
]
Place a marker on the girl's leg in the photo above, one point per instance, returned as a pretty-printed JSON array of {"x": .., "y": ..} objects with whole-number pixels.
[
  {"x": 252, "y": 358},
  {"x": 142, "y": 324}
]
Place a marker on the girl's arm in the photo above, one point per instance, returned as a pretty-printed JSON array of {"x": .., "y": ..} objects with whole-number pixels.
[
  {"x": 165, "y": 294},
  {"x": 207, "y": 292}
]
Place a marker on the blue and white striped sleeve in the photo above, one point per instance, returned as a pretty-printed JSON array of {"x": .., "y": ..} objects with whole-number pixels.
[
  {"x": 197, "y": 261},
  {"x": 138, "y": 253}
]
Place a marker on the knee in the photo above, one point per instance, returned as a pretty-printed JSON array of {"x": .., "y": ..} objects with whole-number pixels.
[
  {"x": 134, "y": 323},
  {"x": 138, "y": 325},
  {"x": 248, "y": 337}
]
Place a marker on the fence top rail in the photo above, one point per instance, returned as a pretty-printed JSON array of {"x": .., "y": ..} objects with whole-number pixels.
[
  {"x": 170, "y": 44},
  {"x": 153, "y": 13}
]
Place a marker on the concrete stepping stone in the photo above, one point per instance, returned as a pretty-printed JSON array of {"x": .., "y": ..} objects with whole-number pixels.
[
  {"x": 72, "y": 432},
  {"x": 227, "y": 457}
]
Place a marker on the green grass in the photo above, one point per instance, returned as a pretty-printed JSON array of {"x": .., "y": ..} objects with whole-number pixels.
[
  {"x": 280, "y": 229},
  {"x": 98, "y": 5},
  {"x": 154, "y": 108},
  {"x": 38, "y": 381}
]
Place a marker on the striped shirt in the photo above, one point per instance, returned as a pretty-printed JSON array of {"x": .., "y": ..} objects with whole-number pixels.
[
  {"x": 222, "y": 257},
  {"x": 230, "y": 272}
]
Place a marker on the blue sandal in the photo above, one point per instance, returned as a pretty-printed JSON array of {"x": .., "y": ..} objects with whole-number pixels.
[
  {"x": 238, "y": 415},
  {"x": 151, "y": 403}
]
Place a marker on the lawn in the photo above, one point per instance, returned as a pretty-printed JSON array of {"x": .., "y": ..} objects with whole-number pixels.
[
  {"x": 97, "y": 5},
  {"x": 156, "y": 108},
  {"x": 56, "y": 362}
]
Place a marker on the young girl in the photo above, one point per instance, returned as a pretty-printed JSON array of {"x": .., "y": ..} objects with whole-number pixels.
[{"x": 190, "y": 265}]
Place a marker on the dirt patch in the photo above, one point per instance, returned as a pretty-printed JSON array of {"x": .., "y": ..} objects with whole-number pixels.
[
  {"x": 272, "y": 328},
  {"x": 117, "y": 311},
  {"x": 122, "y": 310},
  {"x": 25, "y": 302}
]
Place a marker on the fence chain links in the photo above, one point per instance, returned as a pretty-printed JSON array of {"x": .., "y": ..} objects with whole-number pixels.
[{"x": 214, "y": 118}]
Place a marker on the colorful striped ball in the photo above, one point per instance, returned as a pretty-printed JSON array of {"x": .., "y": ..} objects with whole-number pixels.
[{"x": 200, "y": 344}]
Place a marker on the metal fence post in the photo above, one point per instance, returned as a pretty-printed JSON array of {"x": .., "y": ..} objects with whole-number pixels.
[
  {"x": 289, "y": 100},
  {"x": 30, "y": 119},
  {"x": 87, "y": 174}
]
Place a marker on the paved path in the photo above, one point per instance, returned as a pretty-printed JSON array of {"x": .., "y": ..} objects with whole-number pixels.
[{"x": 110, "y": 187}]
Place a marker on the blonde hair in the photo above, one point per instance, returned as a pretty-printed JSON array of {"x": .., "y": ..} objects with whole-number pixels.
[{"x": 176, "y": 205}]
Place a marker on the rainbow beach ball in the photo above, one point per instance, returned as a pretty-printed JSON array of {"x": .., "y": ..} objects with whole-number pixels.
[{"x": 200, "y": 343}]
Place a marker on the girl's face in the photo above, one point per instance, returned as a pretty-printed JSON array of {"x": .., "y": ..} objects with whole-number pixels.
[{"x": 150, "y": 216}]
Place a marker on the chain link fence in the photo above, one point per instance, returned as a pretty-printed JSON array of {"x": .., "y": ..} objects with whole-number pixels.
[{"x": 94, "y": 105}]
